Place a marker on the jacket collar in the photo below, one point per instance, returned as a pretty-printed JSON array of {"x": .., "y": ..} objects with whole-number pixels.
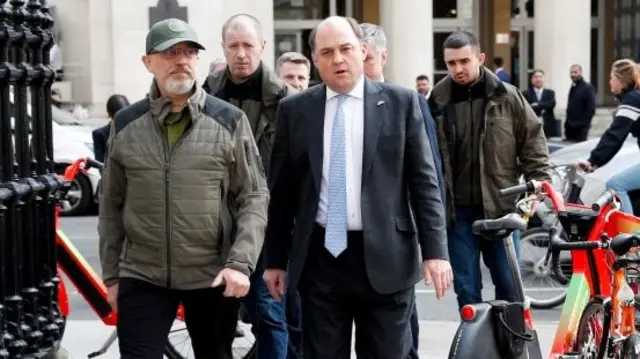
[
  {"x": 441, "y": 93},
  {"x": 272, "y": 86},
  {"x": 160, "y": 107}
]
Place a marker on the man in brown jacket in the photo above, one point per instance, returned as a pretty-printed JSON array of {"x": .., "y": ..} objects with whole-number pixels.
[
  {"x": 489, "y": 136},
  {"x": 175, "y": 161}
]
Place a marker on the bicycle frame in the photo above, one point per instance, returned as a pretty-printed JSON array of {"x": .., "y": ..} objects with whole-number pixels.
[{"x": 591, "y": 274}]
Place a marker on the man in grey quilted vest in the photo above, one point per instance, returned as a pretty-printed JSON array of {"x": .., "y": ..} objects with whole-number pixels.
[{"x": 175, "y": 162}]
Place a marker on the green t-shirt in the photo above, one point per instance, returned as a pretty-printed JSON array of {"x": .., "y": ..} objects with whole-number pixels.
[{"x": 176, "y": 124}]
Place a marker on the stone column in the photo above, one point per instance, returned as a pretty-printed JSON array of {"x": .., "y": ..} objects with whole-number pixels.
[
  {"x": 562, "y": 38},
  {"x": 409, "y": 28}
]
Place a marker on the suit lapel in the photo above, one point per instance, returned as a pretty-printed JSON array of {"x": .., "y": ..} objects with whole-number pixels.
[
  {"x": 315, "y": 132},
  {"x": 375, "y": 114}
]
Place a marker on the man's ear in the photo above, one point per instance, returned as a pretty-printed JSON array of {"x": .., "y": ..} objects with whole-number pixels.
[
  {"x": 146, "y": 60},
  {"x": 383, "y": 57},
  {"x": 481, "y": 58}
]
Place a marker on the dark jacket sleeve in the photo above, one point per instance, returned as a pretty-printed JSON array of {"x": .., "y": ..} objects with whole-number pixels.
[
  {"x": 432, "y": 135},
  {"x": 422, "y": 181},
  {"x": 589, "y": 101},
  {"x": 612, "y": 139},
  {"x": 99, "y": 144},
  {"x": 279, "y": 235}
]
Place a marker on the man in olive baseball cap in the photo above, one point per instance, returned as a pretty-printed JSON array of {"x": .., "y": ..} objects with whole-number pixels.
[{"x": 167, "y": 33}]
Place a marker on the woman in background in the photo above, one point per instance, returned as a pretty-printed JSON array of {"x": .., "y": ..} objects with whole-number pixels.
[{"x": 625, "y": 85}]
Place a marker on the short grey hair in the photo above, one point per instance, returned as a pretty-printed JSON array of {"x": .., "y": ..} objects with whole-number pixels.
[
  {"x": 374, "y": 35},
  {"x": 292, "y": 57},
  {"x": 241, "y": 21}
]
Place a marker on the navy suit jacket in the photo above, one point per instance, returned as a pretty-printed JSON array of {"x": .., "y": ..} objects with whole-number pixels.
[
  {"x": 430, "y": 127},
  {"x": 100, "y": 136}
]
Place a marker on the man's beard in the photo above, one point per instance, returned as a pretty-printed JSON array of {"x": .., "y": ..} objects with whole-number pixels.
[{"x": 181, "y": 87}]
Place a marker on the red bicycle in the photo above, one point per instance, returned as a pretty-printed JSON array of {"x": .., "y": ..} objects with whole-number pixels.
[
  {"x": 587, "y": 232},
  {"x": 90, "y": 286}
]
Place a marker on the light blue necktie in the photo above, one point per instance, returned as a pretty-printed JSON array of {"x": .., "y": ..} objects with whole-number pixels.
[{"x": 335, "y": 239}]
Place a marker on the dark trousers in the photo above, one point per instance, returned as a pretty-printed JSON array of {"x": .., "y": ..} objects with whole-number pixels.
[
  {"x": 415, "y": 330},
  {"x": 577, "y": 133},
  {"x": 464, "y": 252},
  {"x": 146, "y": 313},
  {"x": 336, "y": 292}
]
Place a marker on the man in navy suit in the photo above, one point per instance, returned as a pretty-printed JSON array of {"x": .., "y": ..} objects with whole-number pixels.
[
  {"x": 543, "y": 102},
  {"x": 353, "y": 254},
  {"x": 100, "y": 135},
  {"x": 375, "y": 41}
]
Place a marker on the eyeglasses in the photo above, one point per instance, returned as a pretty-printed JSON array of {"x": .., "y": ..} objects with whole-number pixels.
[{"x": 174, "y": 53}]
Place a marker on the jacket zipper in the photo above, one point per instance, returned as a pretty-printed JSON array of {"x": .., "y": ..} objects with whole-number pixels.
[
  {"x": 252, "y": 167},
  {"x": 168, "y": 158}
]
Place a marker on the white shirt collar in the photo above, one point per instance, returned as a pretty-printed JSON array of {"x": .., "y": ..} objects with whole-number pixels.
[{"x": 357, "y": 92}]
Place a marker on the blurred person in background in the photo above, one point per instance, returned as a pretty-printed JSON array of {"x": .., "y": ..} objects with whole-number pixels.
[
  {"x": 423, "y": 86},
  {"x": 581, "y": 107},
  {"x": 294, "y": 69},
  {"x": 100, "y": 135},
  {"x": 217, "y": 65},
  {"x": 543, "y": 102}
]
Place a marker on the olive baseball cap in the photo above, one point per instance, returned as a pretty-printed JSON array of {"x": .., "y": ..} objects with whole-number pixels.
[{"x": 166, "y": 33}]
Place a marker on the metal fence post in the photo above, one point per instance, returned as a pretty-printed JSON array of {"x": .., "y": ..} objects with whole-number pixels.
[
  {"x": 26, "y": 138},
  {"x": 16, "y": 326},
  {"x": 46, "y": 241},
  {"x": 30, "y": 320}
]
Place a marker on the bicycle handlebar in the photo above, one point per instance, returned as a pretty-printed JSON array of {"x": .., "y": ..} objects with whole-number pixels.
[
  {"x": 558, "y": 243},
  {"x": 605, "y": 199},
  {"x": 519, "y": 189},
  {"x": 93, "y": 163},
  {"x": 537, "y": 187}
]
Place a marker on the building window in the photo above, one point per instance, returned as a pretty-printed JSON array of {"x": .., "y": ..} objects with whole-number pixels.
[
  {"x": 439, "y": 65},
  {"x": 626, "y": 29},
  {"x": 445, "y": 9},
  {"x": 300, "y": 9}
]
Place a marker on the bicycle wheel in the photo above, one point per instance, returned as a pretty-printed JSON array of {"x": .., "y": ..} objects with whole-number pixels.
[
  {"x": 546, "y": 283},
  {"x": 179, "y": 344},
  {"x": 592, "y": 330}
]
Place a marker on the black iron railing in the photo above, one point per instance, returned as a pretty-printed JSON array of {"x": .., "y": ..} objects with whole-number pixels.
[{"x": 30, "y": 323}]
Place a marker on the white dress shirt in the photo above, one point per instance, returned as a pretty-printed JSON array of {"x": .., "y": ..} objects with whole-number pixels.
[
  {"x": 538, "y": 92},
  {"x": 353, "y": 110}
]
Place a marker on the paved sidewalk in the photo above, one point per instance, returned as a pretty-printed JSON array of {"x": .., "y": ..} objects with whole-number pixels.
[{"x": 83, "y": 337}]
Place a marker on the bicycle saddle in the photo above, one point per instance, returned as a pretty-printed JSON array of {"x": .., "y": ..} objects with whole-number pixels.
[
  {"x": 499, "y": 228},
  {"x": 623, "y": 242}
]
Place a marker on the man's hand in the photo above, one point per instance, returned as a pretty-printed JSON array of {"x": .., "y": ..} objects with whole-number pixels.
[
  {"x": 236, "y": 283},
  {"x": 439, "y": 272},
  {"x": 276, "y": 280},
  {"x": 586, "y": 166},
  {"x": 112, "y": 296}
]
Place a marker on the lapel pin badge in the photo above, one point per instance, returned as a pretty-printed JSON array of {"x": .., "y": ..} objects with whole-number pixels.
[{"x": 380, "y": 103}]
